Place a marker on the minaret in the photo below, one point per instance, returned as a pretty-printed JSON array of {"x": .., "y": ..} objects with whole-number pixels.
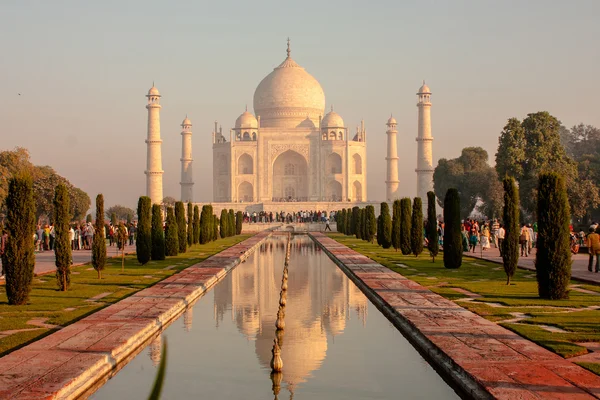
[
  {"x": 154, "y": 172},
  {"x": 424, "y": 145},
  {"x": 187, "y": 180},
  {"x": 392, "y": 182}
]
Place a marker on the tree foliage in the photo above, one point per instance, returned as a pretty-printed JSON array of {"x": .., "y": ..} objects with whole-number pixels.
[
  {"x": 62, "y": 244},
  {"x": 143, "y": 243},
  {"x": 453, "y": 249},
  {"x": 416, "y": 227},
  {"x": 168, "y": 202},
  {"x": 231, "y": 220},
  {"x": 206, "y": 224},
  {"x": 510, "y": 244},
  {"x": 214, "y": 226},
  {"x": 405, "y": 224},
  {"x": 181, "y": 226},
  {"x": 348, "y": 223},
  {"x": 354, "y": 221},
  {"x": 433, "y": 242},
  {"x": 190, "y": 224},
  {"x": 158, "y": 234},
  {"x": 120, "y": 212},
  {"x": 18, "y": 259},
  {"x": 224, "y": 225},
  {"x": 171, "y": 234},
  {"x": 239, "y": 220},
  {"x": 99, "y": 243},
  {"x": 553, "y": 255},
  {"x": 196, "y": 226},
  {"x": 386, "y": 226},
  {"x": 396, "y": 222},
  {"x": 370, "y": 223}
]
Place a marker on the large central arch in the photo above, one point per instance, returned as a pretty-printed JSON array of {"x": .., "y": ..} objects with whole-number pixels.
[{"x": 290, "y": 177}]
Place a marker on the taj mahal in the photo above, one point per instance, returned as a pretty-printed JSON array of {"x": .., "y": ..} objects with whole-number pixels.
[{"x": 289, "y": 150}]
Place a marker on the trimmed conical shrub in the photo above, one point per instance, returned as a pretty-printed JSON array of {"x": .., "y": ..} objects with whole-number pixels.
[
  {"x": 181, "y": 226},
  {"x": 341, "y": 221},
  {"x": 510, "y": 244},
  {"x": 348, "y": 224},
  {"x": 358, "y": 227},
  {"x": 355, "y": 221},
  {"x": 62, "y": 244},
  {"x": 416, "y": 227},
  {"x": 553, "y": 255},
  {"x": 143, "y": 243},
  {"x": 196, "y": 229},
  {"x": 215, "y": 227},
  {"x": 223, "y": 225},
  {"x": 231, "y": 220},
  {"x": 453, "y": 249},
  {"x": 99, "y": 243},
  {"x": 171, "y": 234},
  {"x": 433, "y": 241},
  {"x": 190, "y": 224},
  {"x": 405, "y": 224},
  {"x": 386, "y": 226},
  {"x": 239, "y": 220},
  {"x": 379, "y": 228},
  {"x": 18, "y": 259},
  {"x": 396, "y": 218},
  {"x": 158, "y": 234},
  {"x": 206, "y": 221},
  {"x": 370, "y": 223}
]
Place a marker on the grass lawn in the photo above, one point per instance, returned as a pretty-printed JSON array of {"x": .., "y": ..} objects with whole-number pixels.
[
  {"x": 52, "y": 307},
  {"x": 554, "y": 324}
]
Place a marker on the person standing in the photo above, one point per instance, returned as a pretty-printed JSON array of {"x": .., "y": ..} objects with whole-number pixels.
[
  {"x": 495, "y": 228},
  {"x": 524, "y": 240},
  {"x": 593, "y": 243},
  {"x": 327, "y": 227},
  {"x": 485, "y": 237},
  {"x": 72, "y": 237},
  {"x": 500, "y": 237}
]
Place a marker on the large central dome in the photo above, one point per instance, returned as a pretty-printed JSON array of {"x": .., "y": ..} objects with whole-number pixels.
[{"x": 287, "y": 96}]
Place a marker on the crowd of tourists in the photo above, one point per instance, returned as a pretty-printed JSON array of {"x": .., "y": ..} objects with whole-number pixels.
[{"x": 283, "y": 217}]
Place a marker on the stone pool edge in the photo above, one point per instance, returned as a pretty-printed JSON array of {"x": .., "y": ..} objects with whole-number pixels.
[
  {"x": 65, "y": 364},
  {"x": 483, "y": 379}
]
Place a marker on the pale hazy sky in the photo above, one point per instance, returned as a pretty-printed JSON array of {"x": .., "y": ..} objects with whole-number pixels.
[{"x": 84, "y": 67}]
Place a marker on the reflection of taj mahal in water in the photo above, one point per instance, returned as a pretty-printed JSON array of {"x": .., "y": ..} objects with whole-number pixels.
[
  {"x": 289, "y": 150},
  {"x": 319, "y": 303}
]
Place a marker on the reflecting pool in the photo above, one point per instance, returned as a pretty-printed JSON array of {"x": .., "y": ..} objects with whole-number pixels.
[{"x": 335, "y": 345}]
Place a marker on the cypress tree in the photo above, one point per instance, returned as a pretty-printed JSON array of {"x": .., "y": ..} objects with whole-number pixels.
[
  {"x": 405, "y": 219},
  {"x": 143, "y": 244},
  {"x": 358, "y": 229},
  {"x": 396, "y": 218},
  {"x": 99, "y": 243},
  {"x": 206, "y": 221},
  {"x": 341, "y": 221},
  {"x": 62, "y": 244},
  {"x": 231, "y": 221},
  {"x": 370, "y": 224},
  {"x": 433, "y": 242},
  {"x": 379, "y": 228},
  {"x": 239, "y": 220},
  {"x": 158, "y": 235},
  {"x": 88, "y": 218},
  {"x": 113, "y": 220},
  {"x": 181, "y": 226},
  {"x": 196, "y": 229},
  {"x": 416, "y": 227},
  {"x": 510, "y": 244},
  {"x": 128, "y": 219},
  {"x": 386, "y": 226},
  {"x": 348, "y": 222},
  {"x": 171, "y": 234},
  {"x": 215, "y": 227},
  {"x": 453, "y": 249},
  {"x": 18, "y": 259},
  {"x": 553, "y": 255},
  {"x": 223, "y": 227},
  {"x": 190, "y": 224},
  {"x": 354, "y": 221}
]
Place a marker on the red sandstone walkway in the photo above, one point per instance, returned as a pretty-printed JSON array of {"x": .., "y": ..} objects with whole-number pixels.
[
  {"x": 503, "y": 363},
  {"x": 68, "y": 362}
]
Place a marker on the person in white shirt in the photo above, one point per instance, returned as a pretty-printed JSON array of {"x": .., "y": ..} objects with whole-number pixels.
[
  {"x": 500, "y": 236},
  {"x": 72, "y": 237}
]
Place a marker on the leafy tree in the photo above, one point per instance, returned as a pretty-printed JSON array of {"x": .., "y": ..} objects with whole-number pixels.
[
  {"x": 231, "y": 228},
  {"x": 181, "y": 226},
  {"x": 416, "y": 227},
  {"x": 386, "y": 226},
  {"x": 158, "y": 234},
  {"x": 433, "y": 243},
  {"x": 224, "y": 226},
  {"x": 168, "y": 202},
  {"x": 143, "y": 244},
  {"x": 215, "y": 227},
  {"x": 62, "y": 243},
  {"x": 121, "y": 213},
  {"x": 553, "y": 255},
  {"x": 370, "y": 224},
  {"x": 396, "y": 222},
  {"x": 99, "y": 241},
  {"x": 510, "y": 244},
  {"x": 171, "y": 234},
  {"x": 190, "y": 224},
  {"x": 196, "y": 228},
  {"x": 475, "y": 180},
  {"x": 88, "y": 218},
  {"x": 354, "y": 221},
  {"x": 114, "y": 220},
  {"x": 206, "y": 221},
  {"x": 239, "y": 220},
  {"x": 453, "y": 249},
  {"x": 405, "y": 222},
  {"x": 358, "y": 229},
  {"x": 18, "y": 259}
]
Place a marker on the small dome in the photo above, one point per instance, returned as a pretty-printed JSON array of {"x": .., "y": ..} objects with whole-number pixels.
[
  {"x": 424, "y": 89},
  {"x": 186, "y": 121},
  {"x": 246, "y": 120},
  {"x": 332, "y": 120},
  {"x": 392, "y": 120},
  {"x": 153, "y": 91}
]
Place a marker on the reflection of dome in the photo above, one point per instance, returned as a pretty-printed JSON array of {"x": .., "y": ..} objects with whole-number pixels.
[
  {"x": 332, "y": 120},
  {"x": 246, "y": 120},
  {"x": 286, "y": 96}
]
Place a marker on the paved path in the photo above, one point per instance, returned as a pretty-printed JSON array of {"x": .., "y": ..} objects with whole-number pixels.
[
  {"x": 71, "y": 361},
  {"x": 482, "y": 357},
  {"x": 578, "y": 269}
]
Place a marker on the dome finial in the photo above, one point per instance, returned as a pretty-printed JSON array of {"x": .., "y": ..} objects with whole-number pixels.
[
  {"x": 288, "y": 47},
  {"x": 332, "y": 108},
  {"x": 246, "y": 106}
]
